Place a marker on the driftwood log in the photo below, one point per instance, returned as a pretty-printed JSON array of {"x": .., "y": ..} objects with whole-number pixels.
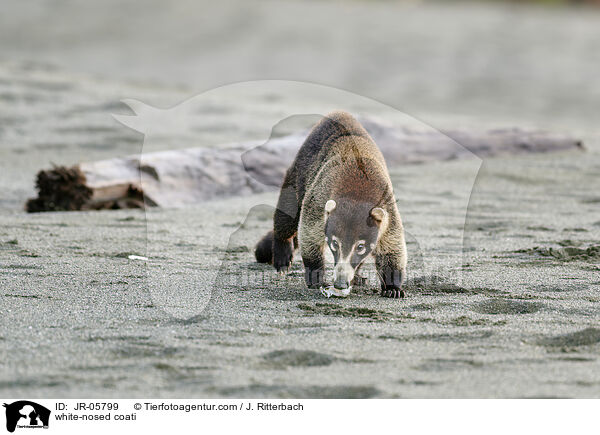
[{"x": 183, "y": 177}]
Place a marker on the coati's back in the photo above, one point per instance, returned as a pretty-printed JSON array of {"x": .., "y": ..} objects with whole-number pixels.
[{"x": 339, "y": 138}]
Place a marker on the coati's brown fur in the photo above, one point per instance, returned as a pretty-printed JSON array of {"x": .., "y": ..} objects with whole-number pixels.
[{"x": 337, "y": 192}]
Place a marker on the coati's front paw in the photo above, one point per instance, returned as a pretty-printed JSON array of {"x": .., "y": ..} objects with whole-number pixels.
[
  {"x": 392, "y": 292},
  {"x": 314, "y": 278},
  {"x": 283, "y": 251},
  {"x": 391, "y": 283}
]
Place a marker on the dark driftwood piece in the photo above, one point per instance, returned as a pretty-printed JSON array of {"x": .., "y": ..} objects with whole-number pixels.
[
  {"x": 66, "y": 189},
  {"x": 184, "y": 177}
]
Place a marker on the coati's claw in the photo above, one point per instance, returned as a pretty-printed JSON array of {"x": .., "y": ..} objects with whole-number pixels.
[
  {"x": 359, "y": 280},
  {"x": 282, "y": 268},
  {"x": 283, "y": 265},
  {"x": 391, "y": 282},
  {"x": 314, "y": 278},
  {"x": 394, "y": 293}
]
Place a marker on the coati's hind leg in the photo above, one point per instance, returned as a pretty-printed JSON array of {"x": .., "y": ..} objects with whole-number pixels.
[{"x": 285, "y": 226}]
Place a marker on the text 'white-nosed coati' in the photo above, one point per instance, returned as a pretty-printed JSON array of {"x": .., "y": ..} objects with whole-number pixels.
[{"x": 338, "y": 193}]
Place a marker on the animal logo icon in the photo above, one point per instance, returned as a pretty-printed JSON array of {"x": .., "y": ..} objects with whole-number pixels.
[{"x": 26, "y": 414}]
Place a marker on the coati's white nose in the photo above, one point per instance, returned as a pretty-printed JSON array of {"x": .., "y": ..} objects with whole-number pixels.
[{"x": 343, "y": 274}]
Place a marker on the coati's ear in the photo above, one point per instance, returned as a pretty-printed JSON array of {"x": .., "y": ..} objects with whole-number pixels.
[
  {"x": 330, "y": 206},
  {"x": 378, "y": 214}
]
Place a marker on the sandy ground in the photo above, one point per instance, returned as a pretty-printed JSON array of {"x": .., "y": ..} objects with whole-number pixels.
[
  {"x": 79, "y": 320},
  {"x": 503, "y": 292}
]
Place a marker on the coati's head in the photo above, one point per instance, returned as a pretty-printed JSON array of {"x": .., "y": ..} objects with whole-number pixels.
[{"x": 352, "y": 229}]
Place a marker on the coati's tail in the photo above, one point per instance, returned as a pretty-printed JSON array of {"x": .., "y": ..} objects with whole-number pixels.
[{"x": 264, "y": 249}]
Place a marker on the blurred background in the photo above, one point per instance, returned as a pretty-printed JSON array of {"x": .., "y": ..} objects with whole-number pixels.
[
  {"x": 536, "y": 59},
  {"x": 64, "y": 65}
]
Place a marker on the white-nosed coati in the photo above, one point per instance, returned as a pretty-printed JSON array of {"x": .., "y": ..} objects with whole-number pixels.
[{"x": 338, "y": 192}]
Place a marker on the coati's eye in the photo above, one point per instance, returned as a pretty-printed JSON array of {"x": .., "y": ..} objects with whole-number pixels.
[
  {"x": 334, "y": 245},
  {"x": 361, "y": 248}
]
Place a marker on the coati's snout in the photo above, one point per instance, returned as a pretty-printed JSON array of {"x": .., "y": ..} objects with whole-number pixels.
[{"x": 352, "y": 229}]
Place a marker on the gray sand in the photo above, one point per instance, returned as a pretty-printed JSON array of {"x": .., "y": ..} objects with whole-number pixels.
[
  {"x": 504, "y": 304},
  {"x": 80, "y": 321}
]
